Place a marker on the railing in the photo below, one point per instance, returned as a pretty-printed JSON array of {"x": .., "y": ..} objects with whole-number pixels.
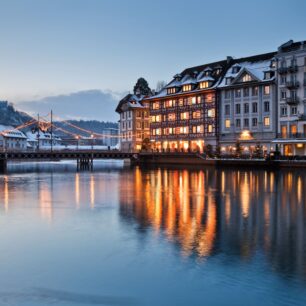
[
  {"x": 282, "y": 70},
  {"x": 292, "y": 84},
  {"x": 292, "y": 136},
  {"x": 293, "y": 68},
  {"x": 292, "y": 100}
]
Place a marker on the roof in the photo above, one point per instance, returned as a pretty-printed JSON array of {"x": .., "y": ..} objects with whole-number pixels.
[
  {"x": 256, "y": 66},
  {"x": 131, "y": 101},
  {"x": 291, "y": 46},
  {"x": 42, "y": 136},
  {"x": 11, "y": 132}
]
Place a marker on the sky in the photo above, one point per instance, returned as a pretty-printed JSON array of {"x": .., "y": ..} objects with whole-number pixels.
[{"x": 54, "y": 47}]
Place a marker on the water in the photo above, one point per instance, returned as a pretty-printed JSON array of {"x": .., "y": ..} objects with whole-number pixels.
[{"x": 120, "y": 236}]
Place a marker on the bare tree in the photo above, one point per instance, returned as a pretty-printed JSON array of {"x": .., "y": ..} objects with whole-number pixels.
[{"x": 160, "y": 85}]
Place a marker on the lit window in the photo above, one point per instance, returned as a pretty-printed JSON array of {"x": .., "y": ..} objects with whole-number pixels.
[
  {"x": 171, "y": 117},
  {"x": 204, "y": 84},
  {"x": 246, "y": 78},
  {"x": 196, "y": 115},
  {"x": 210, "y": 128},
  {"x": 209, "y": 98},
  {"x": 193, "y": 100},
  {"x": 255, "y": 91},
  {"x": 227, "y": 123},
  {"x": 184, "y": 116},
  {"x": 267, "y": 90},
  {"x": 171, "y": 90},
  {"x": 238, "y": 93},
  {"x": 187, "y": 87},
  {"x": 156, "y": 105},
  {"x": 267, "y": 121},
  {"x": 211, "y": 113}
]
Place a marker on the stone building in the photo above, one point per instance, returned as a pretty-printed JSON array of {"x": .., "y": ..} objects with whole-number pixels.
[
  {"x": 291, "y": 79},
  {"x": 134, "y": 123}
]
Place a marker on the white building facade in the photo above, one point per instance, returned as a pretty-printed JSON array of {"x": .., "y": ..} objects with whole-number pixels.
[
  {"x": 291, "y": 80},
  {"x": 248, "y": 105},
  {"x": 12, "y": 139}
]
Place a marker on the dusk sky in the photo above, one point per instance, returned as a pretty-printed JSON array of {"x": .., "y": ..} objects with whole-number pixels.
[{"x": 64, "y": 46}]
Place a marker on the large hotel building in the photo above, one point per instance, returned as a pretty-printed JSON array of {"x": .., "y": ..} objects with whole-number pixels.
[{"x": 256, "y": 102}]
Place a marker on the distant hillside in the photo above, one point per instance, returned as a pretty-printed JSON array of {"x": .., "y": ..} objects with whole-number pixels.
[
  {"x": 93, "y": 126},
  {"x": 10, "y": 116}
]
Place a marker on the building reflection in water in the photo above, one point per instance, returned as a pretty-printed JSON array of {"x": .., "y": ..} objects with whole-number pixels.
[{"x": 209, "y": 212}]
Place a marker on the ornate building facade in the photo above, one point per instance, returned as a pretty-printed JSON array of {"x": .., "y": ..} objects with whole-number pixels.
[
  {"x": 248, "y": 105},
  {"x": 291, "y": 68},
  {"x": 184, "y": 114},
  {"x": 134, "y": 123}
]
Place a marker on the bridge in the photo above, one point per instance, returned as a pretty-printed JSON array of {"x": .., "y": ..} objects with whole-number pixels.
[{"x": 84, "y": 158}]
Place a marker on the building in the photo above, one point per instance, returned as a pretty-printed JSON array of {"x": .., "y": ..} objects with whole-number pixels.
[
  {"x": 248, "y": 105},
  {"x": 42, "y": 140},
  {"x": 134, "y": 123},
  {"x": 184, "y": 114},
  {"x": 12, "y": 139},
  {"x": 291, "y": 79}
]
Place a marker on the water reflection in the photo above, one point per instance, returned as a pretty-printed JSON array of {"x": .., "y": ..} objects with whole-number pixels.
[{"x": 210, "y": 212}]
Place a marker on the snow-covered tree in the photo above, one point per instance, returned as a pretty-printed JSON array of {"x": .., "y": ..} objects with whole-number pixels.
[{"x": 142, "y": 87}]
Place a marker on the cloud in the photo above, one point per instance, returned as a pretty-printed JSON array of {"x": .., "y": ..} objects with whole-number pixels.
[{"x": 91, "y": 104}]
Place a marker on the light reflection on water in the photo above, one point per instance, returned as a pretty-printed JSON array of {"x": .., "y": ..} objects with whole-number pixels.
[{"x": 151, "y": 236}]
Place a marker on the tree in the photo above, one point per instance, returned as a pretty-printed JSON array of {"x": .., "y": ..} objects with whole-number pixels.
[
  {"x": 238, "y": 148},
  {"x": 142, "y": 87},
  {"x": 146, "y": 144},
  {"x": 160, "y": 85}
]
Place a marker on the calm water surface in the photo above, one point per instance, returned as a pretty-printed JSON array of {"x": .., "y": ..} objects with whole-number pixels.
[{"x": 121, "y": 236}]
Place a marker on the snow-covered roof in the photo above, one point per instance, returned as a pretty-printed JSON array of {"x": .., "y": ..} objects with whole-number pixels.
[
  {"x": 42, "y": 136},
  {"x": 10, "y": 132},
  {"x": 256, "y": 69},
  {"x": 131, "y": 101}
]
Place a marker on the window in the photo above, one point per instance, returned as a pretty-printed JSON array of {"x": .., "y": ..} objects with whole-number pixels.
[
  {"x": 283, "y": 94},
  {"x": 210, "y": 128},
  {"x": 171, "y": 90},
  {"x": 156, "y": 105},
  {"x": 228, "y": 81},
  {"x": 283, "y": 80},
  {"x": 283, "y": 111},
  {"x": 254, "y": 122},
  {"x": 209, "y": 98},
  {"x": 227, "y": 94},
  {"x": 227, "y": 109},
  {"x": 267, "y": 75},
  {"x": 184, "y": 116},
  {"x": 193, "y": 100},
  {"x": 187, "y": 87},
  {"x": 227, "y": 123},
  {"x": 305, "y": 91},
  {"x": 246, "y": 92},
  {"x": 211, "y": 113},
  {"x": 169, "y": 103},
  {"x": 255, "y": 91},
  {"x": 204, "y": 84},
  {"x": 196, "y": 115},
  {"x": 246, "y": 122},
  {"x": 181, "y": 102},
  {"x": 266, "y": 121},
  {"x": 171, "y": 117},
  {"x": 246, "y": 108},
  {"x": 238, "y": 93},
  {"x": 293, "y": 110},
  {"x": 266, "y": 90},
  {"x": 254, "y": 107},
  {"x": 238, "y": 123},
  {"x": 246, "y": 78},
  {"x": 266, "y": 106},
  {"x": 238, "y": 109},
  {"x": 184, "y": 130}
]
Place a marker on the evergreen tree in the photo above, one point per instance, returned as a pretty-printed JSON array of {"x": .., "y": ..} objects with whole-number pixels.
[{"x": 142, "y": 87}]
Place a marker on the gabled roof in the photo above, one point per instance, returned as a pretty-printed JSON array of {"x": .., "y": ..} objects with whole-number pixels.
[
  {"x": 131, "y": 101},
  {"x": 11, "y": 132},
  {"x": 243, "y": 71}
]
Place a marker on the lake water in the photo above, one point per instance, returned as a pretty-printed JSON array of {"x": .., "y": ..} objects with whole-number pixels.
[{"x": 122, "y": 236}]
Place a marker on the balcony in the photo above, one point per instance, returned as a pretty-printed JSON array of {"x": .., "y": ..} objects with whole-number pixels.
[
  {"x": 293, "y": 68},
  {"x": 292, "y": 100},
  {"x": 282, "y": 70},
  {"x": 292, "y": 136},
  {"x": 292, "y": 84}
]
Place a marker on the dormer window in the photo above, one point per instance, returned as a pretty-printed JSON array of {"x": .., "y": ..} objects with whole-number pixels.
[
  {"x": 171, "y": 90},
  {"x": 187, "y": 87},
  {"x": 228, "y": 81},
  {"x": 235, "y": 69},
  {"x": 267, "y": 75},
  {"x": 217, "y": 71},
  {"x": 205, "y": 84},
  {"x": 273, "y": 64},
  {"x": 246, "y": 78}
]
